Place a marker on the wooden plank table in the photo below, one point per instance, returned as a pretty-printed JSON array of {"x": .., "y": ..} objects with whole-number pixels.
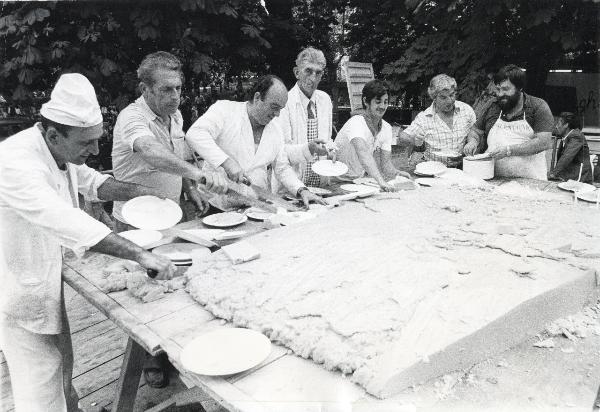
[{"x": 282, "y": 382}]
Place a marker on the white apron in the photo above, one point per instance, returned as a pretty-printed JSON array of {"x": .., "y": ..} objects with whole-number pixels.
[{"x": 503, "y": 134}]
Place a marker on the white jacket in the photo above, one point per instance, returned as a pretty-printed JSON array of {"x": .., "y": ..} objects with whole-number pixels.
[
  {"x": 39, "y": 216},
  {"x": 293, "y": 119},
  {"x": 224, "y": 131}
]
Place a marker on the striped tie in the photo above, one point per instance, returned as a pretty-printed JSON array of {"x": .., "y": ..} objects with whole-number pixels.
[{"x": 310, "y": 177}]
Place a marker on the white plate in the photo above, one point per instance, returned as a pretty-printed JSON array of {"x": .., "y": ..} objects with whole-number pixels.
[
  {"x": 142, "y": 237},
  {"x": 361, "y": 190},
  {"x": 226, "y": 219},
  {"x": 255, "y": 213},
  {"x": 179, "y": 252},
  {"x": 575, "y": 186},
  {"x": 151, "y": 212},
  {"x": 431, "y": 181},
  {"x": 318, "y": 190},
  {"x": 225, "y": 352},
  {"x": 208, "y": 234},
  {"x": 328, "y": 168},
  {"x": 430, "y": 168},
  {"x": 593, "y": 197}
]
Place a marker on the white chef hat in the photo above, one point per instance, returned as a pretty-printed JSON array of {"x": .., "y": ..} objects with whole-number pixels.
[{"x": 73, "y": 102}]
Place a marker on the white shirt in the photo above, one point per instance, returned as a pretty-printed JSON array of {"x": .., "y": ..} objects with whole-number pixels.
[
  {"x": 39, "y": 216},
  {"x": 138, "y": 120},
  {"x": 224, "y": 131},
  {"x": 293, "y": 123},
  {"x": 356, "y": 128}
]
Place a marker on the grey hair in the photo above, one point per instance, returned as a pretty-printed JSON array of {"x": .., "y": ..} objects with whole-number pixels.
[
  {"x": 156, "y": 61},
  {"x": 439, "y": 83},
  {"x": 311, "y": 55}
]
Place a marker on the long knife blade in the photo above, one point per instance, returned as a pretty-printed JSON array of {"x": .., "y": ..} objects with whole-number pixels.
[
  {"x": 274, "y": 199},
  {"x": 246, "y": 194}
]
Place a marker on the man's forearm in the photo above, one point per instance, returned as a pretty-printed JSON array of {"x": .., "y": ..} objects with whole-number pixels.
[
  {"x": 534, "y": 146},
  {"x": 118, "y": 246},
  {"x": 164, "y": 160},
  {"x": 113, "y": 189}
]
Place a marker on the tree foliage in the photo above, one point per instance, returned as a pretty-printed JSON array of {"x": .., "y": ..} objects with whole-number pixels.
[{"x": 107, "y": 40}]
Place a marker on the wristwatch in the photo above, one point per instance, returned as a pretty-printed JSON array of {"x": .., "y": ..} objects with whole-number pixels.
[{"x": 302, "y": 189}]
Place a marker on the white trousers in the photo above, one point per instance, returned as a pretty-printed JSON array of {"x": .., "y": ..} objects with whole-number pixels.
[{"x": 40, "y": 368}]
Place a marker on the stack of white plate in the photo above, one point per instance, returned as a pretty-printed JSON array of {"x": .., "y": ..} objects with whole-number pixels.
[{"x": 430, "y": 168}]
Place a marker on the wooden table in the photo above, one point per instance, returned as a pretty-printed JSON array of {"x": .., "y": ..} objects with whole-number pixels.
[{"x": 282, "y": 382}]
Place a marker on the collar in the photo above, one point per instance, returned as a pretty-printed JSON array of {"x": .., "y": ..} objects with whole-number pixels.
[
  {"x": 304, "y": 100},
  {"x": 430, "y": 111},
  {"x": 149, "y": 112}
]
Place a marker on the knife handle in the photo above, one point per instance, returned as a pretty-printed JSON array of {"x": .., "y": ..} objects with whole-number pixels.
[{"x": 151, "y": 273}]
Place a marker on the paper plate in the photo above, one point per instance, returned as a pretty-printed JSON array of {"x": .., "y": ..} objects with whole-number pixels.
[
  {"x": 151, "y": 213},
  {"x": 361, "y": 190},
  {"x": 257, "y": 214},
  {"x": 318, "y": 190},
  {"x": 575, "y": 186},
  {"x": 142, "y": 237},
  {"x": 430, "y": 168},
  {"x": 179, "y": 252},
  {"x": 593, "y": 197},
  {"x": 226, "y": 219},
  {"x": 208, "y": 234},
  {"x": 328, "y": 168},
  {"x": 225, "y": 352}
]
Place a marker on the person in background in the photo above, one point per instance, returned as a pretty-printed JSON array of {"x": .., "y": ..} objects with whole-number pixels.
[
  {"x": 517, "y": 128},
  {"x": 241, "y": 139},
  {"x": 364, "y": 143},
  {"x": 148, "y": 139},
  {"x": 42, "y": 171},
  {"x": 307, "y": 118},
  {"x": 442, "y": 127},
  {"x": 573, "y": 154}
]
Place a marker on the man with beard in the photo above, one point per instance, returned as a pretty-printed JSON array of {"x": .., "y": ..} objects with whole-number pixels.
[
  {"x": 517, "y": 128},
  {"x": 442, "y": 128}
]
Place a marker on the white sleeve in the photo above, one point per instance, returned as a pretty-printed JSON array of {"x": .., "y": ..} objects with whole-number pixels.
[
  {"x": 386, "y": 141},
  {"x": 25, "y": 188},
  {"x": 203, "y": 133},
  {"x": 88, "y": 181}
]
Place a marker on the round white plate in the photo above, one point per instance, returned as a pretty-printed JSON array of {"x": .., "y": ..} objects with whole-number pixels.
[
  {"x": 318, "y": 190},
  {"x": 431, "y": 181},
  {"x": 226, "y": 219},
  {"x": 225, "y": 352},
  {"x": 142, "y": 237},
  {"x": 257, "y": 214},
  {"x": 574, "y": 186},
  {"x": 179, "y": 252},
  {"x": 151, "y": 213},
  {"x": 328, "y": 168},
  {"x": 361, "y": 190},
  {"x": 430, "y": 168},
  {"x": 593, "y": 197},
  {"x": 208, "y": 234}
]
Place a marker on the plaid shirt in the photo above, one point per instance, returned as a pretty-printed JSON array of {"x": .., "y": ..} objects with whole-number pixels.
[{"x": 436, "y": 134}]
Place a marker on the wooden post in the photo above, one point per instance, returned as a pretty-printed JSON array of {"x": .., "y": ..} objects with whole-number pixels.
[{"x": 129, "y": 380}]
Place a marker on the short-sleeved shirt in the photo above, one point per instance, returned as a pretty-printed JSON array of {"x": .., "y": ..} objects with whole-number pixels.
[
  {"x": 436, "y": 134},
  {"x": 138, "y": 120},
  {"x": 356, "y": 128},
  {"x": 537, "y": 114}
]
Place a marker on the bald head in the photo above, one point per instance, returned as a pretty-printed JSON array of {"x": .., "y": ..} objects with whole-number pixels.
[{"x": 268, "y": 97}]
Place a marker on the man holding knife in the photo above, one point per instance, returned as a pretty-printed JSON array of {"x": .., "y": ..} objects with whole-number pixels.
[{"x": 42, "y": 171}]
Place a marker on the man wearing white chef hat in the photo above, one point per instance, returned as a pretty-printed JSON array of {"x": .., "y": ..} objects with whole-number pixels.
[{"x": 42, "y": 170}]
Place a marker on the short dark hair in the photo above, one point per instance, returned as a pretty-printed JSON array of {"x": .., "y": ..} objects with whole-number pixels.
[
  {"x": 262, "y": 86},
  {"x": 512, "y": 72},
  {"x": 570, "y": 119},
  {"x": 374, "y": 89},
  {"x": 155, "y": 61},
  {"x": 61, "y": 128}
]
